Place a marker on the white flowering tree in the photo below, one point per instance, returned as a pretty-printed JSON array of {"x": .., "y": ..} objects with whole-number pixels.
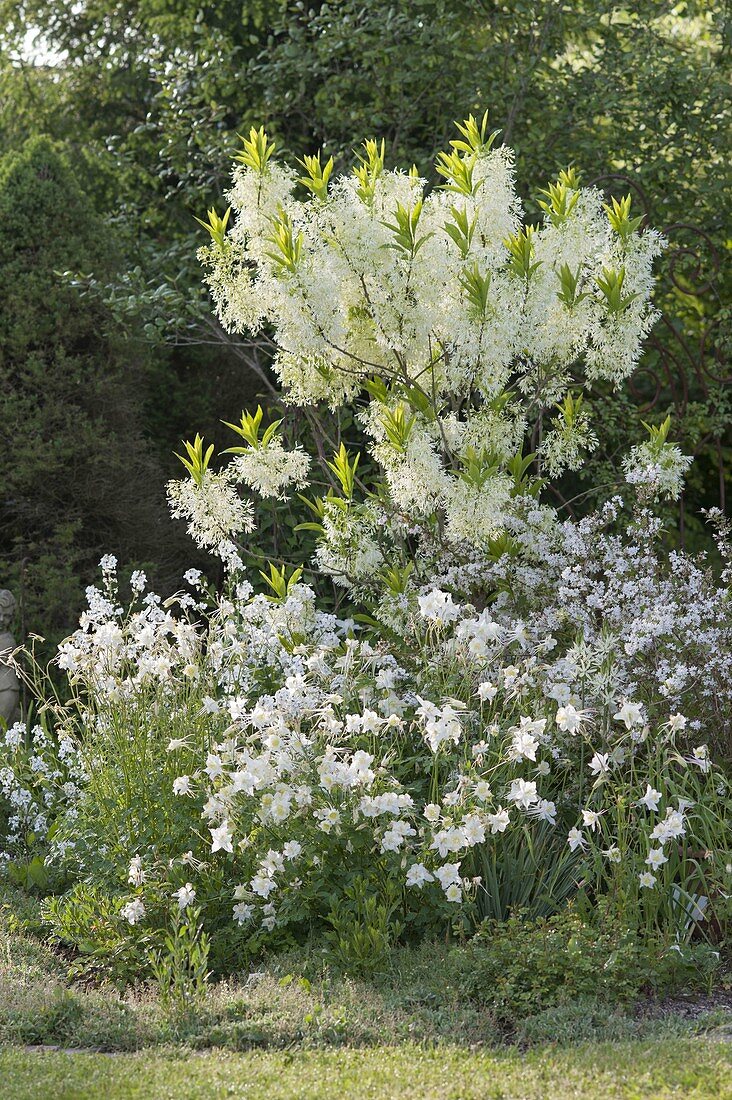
[
  {"x": 508, "y": 728},
  {"x": 463, "y": 335}
]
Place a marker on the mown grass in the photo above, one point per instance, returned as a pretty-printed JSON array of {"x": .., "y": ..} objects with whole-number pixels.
[
  {"x": 694, "y": 1069},
  {"x": 297, "y": 1029}
]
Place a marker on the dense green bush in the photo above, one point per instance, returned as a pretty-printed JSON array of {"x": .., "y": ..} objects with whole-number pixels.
[
  {"x": 521, "y": 968},
  {"x": 77, "y": 474}
]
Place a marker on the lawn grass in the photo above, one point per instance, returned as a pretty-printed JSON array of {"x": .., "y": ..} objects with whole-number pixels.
[
  {"x": 697, "y": 1069},
  {"x": 278, "y": 1034}
]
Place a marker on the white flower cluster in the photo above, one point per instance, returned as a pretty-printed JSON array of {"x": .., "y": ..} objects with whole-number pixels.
[
  {"x": 271, "y": 469},
  {"x": 435, "y": 302},
  {"x": 214, "y": 510},
  {"x": 659, "y": 471},
  {"x": 114, "y": 652},
  {"x": 327, "y": 763},
  {"x": 645, "y": 621},
  {"x": 418, "y": 757},
  {"x": 40, "y": 777}
]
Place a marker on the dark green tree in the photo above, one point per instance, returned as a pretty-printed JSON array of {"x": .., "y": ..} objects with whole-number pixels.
[{"x": 76, "y": 476}]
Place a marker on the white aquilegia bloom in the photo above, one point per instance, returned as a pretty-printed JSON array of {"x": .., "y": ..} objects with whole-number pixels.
[
  {"x": 600, "y": 764},
  {"x": 499, "y": 821},
  {"x": 263, "y": 885},
  {"x": 631, "y": 714},
  {"x": 650, "y": 799},
  {"x": 418, "y": 875},
  {"x": 656, "y": 858},
  {"x": 546, "y": 810},
  {"x": 568, "y": 719},
  {"x": 523, "y": 793},
  {"x": 182, "y": 785},
  {"x": 448, "y": 874},
  {"x": 136, "y": 875},
  {"x": 221, "y": 838},
  {"x": 672, "y": 827},
  {"x": 438, "y": 607},
  {"x": 441, "y": 724},
  {"x": 186, "y": 895},
  {"x": 243, "y": 912},
  {"x": 647, "y": 880},
  {"x": 133, "y": 911},
  {"x": 487, "y": 692},
  {"x": 576, "y": 840},
  {"x": 700, "y": 758},
  {"x": 395, "y": 835},
  {"x": 524, "y": 746}
]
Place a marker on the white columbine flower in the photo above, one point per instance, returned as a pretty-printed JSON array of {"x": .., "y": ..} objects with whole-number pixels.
[
  {"x": 650, "y": 799},
  {"x": 672, "y": 827},
  {"x": 136, "y": 875},
  {"x": 418, "y": 875},
  {"x": 221, "y": 838},
  {"x": 483, "y": 790},
  {"x": 576, "y": 840},
  {"x": 499, "y": 821},
  {"x": 133, "y": 911},
  {"x": 524, "y": 746},
  {"x": 448, "y": 874},
  {"x": 438, "y": 607},
  {"x": 569, "y": 719},
  {"x": 631, "y": 714},
  {"x": 656, "y": 858},
  {"x": 242, "y": 912},
  {"x": 700, "y": 758},
  {"x": 546, "y": 811},
  {"x": 523, "y": 793},
  {"x": 263, "y": 885},
  {"x": 486, "y": 692},
  {"x": 600, "y": 764},
  {"x": 186, "y": 895}
]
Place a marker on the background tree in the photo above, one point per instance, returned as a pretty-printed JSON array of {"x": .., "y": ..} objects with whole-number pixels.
[
  {"x": 150, "y": 96},
  {"x": 78, "y": 477}
]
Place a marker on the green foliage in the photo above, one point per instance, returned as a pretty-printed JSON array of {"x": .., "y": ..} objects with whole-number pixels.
[
  {"x": 198, "y": 460},
  {"x": 363, "y": 928},
  {"x": 521, "y": 967},
  {"x": 78, "y": 478},
  {"x": 533, "y": 873},
  {"x": 87, "y": 919},
  {"x": 180, "y": 967},
  {"x": 565, "y": 82}
]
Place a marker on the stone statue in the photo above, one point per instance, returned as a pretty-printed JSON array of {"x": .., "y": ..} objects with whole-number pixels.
[{"x": 9, "y": 683}]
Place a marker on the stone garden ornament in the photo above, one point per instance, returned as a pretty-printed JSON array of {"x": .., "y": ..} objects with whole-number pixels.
[{"x": 9, "y": 683}]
